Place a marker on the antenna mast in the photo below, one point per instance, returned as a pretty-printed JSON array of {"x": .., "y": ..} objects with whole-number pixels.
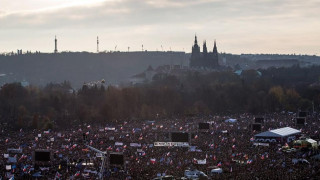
[
  {"x": 97, "y": 44},
  {"x": 55, "y": 45}
]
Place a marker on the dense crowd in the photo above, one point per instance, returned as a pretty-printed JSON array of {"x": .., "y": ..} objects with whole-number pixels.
[{"x": 227, "y": 145}]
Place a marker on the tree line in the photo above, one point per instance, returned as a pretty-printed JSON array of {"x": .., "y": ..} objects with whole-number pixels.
[{"x": 188, "y": 94}]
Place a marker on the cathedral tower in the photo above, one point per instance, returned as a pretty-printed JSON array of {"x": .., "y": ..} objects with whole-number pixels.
[
  {"x": 214, "y": 62},
  {"x": 204, "y": 60},
  {"x": 195, "y": 55}
]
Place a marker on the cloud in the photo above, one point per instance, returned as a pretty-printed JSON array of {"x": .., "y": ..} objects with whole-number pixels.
[
  {"x": 140, "y": 12},
  {"x": 176, "y": 21},
  {"x": 177, "y": 3}
]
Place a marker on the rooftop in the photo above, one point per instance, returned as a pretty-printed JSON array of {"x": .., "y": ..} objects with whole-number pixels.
[{"x": 282, "y": 132}]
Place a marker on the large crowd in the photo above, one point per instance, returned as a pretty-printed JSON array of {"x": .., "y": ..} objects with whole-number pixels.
[{"x": 226, "y": 145}]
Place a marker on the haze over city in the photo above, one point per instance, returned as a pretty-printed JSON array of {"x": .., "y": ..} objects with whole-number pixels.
[{"x": 242, "y": 26}]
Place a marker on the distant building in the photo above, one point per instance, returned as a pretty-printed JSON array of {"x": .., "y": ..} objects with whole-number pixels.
[
  {"x": 19, "y": 52},
  {"x": 159, "y": 73},
  {"x": 24, "y": 83},
  {"x": 264, "y": 64},
  {"x": 145, "y": 76},
  {"x": 205, "y": 59}
]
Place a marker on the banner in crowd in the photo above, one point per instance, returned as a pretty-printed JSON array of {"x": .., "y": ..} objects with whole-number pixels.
[
  {"x": 135, "y": 144},
  {"x": 202, "y": 161},
  {"x": 99, "y": 155},
  {"x": 192, "y": 148},
  {"x": 161, "y": 174},
  {"x": 261, "y": 144},
  {"x": 90, "y": 171},
  {"x": 110, "y": 128},
  {"x": 118, "y": 143},
  {"x": 12, "y": 160},
  {"x": 178, "y": 144},
  {"x": 14, "y": 151}
]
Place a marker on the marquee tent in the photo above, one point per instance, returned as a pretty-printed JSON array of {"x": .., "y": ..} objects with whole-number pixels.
[{"x": 278, "y": 135}]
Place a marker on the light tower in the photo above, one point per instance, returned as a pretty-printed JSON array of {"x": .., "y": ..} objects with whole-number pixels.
[
  {"x": 97, "y": 44},
  {"x": 55, "y": 45}
]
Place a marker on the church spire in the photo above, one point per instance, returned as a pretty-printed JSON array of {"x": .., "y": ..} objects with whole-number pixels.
[
  {"x": 205, "y": 51},
  {"x": 195, "y": 39},
  {"x": 215, "y": 50}
]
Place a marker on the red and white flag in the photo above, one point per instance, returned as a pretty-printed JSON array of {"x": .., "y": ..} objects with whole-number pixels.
[{"x": 153, "y": 160}]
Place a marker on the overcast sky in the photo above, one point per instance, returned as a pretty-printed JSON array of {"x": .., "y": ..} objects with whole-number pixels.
[{"x": 239, "y": 26}]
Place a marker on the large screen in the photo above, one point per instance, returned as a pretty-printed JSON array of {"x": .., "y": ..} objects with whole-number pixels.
[
  {"x": 256, "y": 127},
  {"x": 300, "y": 121},
  {"x": 258, "y": 120},
  {"x": 116, "y": 159},
  {"x": 42, "y": 155},
  {"x": 303, "y": 114},
  {"x": 179, "y": 137},
  {"x": 204, "y": 125}
]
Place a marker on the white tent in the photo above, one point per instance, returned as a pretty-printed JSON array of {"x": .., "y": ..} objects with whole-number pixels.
[
  {"x": 231, "y": 120},
  {"x": 282, "y": 132},
  {"x": 217, "y": 170},
  {"x": 279, "y": 134}
]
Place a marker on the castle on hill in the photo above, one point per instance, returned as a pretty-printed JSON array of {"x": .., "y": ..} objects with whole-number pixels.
[{"x": 205, "y": 59}]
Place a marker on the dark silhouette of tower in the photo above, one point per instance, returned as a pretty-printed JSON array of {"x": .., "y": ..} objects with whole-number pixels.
[
  {"x": 215, "y": 55},
  {"x": 215, "y": 50},
  {"x": 97, "y": 44},
  {"x": 55, "y": 45},
  {"x": 205, "y": 59},
  {"x": 195, "y": 53},
  {"x": 205, "y": 50}
]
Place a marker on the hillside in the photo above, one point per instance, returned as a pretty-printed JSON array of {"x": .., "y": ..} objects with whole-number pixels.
[{"x": 80, "y": 67}]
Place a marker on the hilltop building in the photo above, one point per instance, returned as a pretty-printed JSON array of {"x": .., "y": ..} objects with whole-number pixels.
[
  {"x": 205, "y": 59},
  {"x": 160, "y": 72}
]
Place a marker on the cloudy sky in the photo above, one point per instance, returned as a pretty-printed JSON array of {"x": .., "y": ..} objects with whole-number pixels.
[{"x": 239, "y": 26}]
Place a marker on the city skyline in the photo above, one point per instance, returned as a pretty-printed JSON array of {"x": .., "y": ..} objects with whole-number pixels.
[{"x": 244, "y": 26}]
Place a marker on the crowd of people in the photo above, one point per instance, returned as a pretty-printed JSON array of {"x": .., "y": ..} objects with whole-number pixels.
[{"x": 226, "y": 145}]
